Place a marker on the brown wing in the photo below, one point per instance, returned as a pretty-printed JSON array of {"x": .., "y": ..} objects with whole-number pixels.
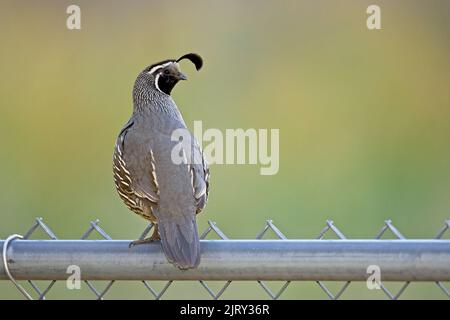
[{"x": 129, "y": 190}]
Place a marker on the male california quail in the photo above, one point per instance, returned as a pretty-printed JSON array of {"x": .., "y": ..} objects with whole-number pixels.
[{"x": 147, "y": 179}]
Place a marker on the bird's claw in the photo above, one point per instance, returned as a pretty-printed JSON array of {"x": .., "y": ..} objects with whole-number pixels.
[{"x": 142, "y": 241}]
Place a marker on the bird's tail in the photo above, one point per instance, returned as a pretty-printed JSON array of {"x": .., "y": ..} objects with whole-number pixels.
[{"x": 180, "y": 242}]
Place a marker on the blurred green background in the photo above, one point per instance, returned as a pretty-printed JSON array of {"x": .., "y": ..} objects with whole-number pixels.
[{"x": 364, "y": 118}]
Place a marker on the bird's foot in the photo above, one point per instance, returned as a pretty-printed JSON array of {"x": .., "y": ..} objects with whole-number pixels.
[
  {"x": 155, "y": 237},
  {"x": 140, "y": 241}
]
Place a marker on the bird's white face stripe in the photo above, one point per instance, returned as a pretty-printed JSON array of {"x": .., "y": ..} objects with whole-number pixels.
[
  {"x": 152, "y": 70},
  {"x": 156, "y": 83}
]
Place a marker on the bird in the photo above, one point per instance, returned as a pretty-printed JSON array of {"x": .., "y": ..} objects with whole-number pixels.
[{"x": 150, "y": 183}]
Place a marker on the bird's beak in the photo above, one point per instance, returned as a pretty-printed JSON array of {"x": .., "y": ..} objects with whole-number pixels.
[
  {"x": 176, "y": 73},
  {"x": 181, "y": 76}
]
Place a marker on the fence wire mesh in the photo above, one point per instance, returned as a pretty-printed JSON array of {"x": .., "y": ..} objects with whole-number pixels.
[{"x": 212, "y": 228}]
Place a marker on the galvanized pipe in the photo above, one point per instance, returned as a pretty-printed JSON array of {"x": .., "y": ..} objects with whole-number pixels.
[{"x": 398, "y": 260}]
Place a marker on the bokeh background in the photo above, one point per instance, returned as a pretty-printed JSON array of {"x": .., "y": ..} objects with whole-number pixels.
[{"x": 364, "y": 118}]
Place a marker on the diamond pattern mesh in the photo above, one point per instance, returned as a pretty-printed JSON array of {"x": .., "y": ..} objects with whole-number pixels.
[{"x": 269, "y": 227}]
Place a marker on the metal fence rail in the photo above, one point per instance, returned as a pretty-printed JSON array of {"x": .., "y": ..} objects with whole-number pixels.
[{"x": 260, "y": 260}]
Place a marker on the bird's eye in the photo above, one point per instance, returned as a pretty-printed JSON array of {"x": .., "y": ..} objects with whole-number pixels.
[{"x": 166, "y": 71}]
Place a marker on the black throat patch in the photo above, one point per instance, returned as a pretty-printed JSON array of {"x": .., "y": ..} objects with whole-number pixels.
[{"x": 166, "y": 83}]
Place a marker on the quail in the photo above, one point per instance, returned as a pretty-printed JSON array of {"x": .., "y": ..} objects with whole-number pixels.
[{"x": 151, "y": 184}]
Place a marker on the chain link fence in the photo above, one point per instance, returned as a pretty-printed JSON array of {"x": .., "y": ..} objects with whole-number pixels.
[{"x": 437, "y": 249}]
